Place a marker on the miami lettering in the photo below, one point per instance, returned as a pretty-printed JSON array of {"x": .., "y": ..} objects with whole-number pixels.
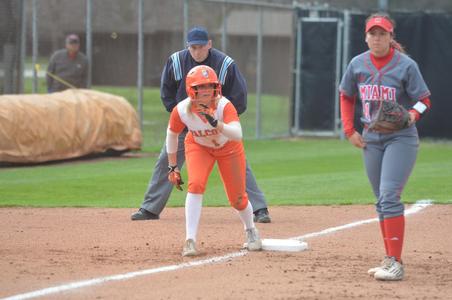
[{"x": 372, "y": 92}]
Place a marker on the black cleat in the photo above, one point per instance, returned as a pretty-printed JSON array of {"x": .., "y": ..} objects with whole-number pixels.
[
  {"x": 262, "y": 216},
  {"x": 143, "y": 214}
]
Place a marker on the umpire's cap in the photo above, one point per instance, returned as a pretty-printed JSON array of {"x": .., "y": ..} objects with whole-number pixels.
[{"x": 197, "y": 36}]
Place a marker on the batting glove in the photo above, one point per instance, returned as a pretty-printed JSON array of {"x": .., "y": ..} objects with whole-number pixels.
[
  {"x": 174, "y": 177},
  {"x": 212, "y": 121}
]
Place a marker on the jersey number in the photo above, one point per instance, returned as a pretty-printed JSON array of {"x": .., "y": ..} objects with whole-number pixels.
[
  {"x": 215, "y": 143},
  {"x": 366, "y": 110}
]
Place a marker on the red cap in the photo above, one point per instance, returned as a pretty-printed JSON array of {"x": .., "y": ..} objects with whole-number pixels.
[{"x": 381, "y": 22}]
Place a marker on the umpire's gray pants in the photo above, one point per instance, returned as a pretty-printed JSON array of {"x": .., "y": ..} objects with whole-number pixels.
[
  {"x": 389, "y": 160},
  {"x": 159, "y": 188}
]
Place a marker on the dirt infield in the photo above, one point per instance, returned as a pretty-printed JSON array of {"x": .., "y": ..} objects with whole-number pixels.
[{"x": 41, "y": 248}]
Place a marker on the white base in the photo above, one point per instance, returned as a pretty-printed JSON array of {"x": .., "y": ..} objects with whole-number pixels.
[{"x": 283, "y": 245}]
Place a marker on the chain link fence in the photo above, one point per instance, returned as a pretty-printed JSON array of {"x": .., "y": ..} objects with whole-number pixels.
[
  {"x": 260, "y": 39},
  {"x": 12, "y": 46},
  {"x": 128, "y": 43}
]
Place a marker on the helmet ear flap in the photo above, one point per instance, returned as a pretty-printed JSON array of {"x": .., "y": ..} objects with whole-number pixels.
[
  {"x": 217, "y": 91},
  {"x": 192, "y": 92}
]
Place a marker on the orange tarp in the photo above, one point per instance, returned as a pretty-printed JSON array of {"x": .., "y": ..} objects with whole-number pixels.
[{"x": 68, "y": 124}]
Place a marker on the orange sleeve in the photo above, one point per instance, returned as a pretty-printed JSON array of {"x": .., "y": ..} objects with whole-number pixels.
[
  {"x": 230, "y": 114},
  {"x": 175, "y": 122},
  {"x": 348, "y": 114}
]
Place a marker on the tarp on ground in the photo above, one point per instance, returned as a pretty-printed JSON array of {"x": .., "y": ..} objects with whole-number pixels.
[{"x": 76, "y": 122}]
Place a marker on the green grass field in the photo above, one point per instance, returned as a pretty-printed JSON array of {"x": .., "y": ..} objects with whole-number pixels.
[
  {"x": 275, "y": 113},
  {"x": 290, "y": 172}
]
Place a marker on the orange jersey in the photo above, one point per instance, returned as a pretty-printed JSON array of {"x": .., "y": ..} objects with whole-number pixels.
[{"x": 199, "y": 129}]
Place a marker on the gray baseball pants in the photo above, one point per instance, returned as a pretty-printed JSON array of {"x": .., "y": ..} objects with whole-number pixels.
[
  {"x": 389, "y": 160},
  {"x": 159, "y": 188}
]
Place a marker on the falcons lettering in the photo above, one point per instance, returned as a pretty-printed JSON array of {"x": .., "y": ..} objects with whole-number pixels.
[
  {"x": 377, "y": 92},
  {"x": 204, "y": 133}
]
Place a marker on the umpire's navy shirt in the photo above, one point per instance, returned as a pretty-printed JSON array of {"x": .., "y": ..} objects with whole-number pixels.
[{"x": 172, "y": 87}]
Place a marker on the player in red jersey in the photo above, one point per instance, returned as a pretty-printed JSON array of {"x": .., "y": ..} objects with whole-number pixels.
[{"x": 385, "y": 73}]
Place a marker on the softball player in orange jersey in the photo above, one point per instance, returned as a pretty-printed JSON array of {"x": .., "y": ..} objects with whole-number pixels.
[{"x": 215, "y": 135}]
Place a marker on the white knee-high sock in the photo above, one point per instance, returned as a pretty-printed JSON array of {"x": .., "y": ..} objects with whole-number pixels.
[
  {"x": 246, "y": 216},
  {"x": 193, "y": 205}
]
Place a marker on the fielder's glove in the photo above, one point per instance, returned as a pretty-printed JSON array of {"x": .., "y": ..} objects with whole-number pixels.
[
  {"x": 389, "y": 118},
  {"x": 174, "y": 177},
  {"x": 212, "y": 121}
]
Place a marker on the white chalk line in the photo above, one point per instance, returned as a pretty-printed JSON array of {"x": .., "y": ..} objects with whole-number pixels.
[
  {"x": 418, "y": 206},
  {"x": 85, "y": 283}
]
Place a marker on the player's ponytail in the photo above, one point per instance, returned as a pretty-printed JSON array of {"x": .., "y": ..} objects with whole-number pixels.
[{"x": 396, "y": 45}]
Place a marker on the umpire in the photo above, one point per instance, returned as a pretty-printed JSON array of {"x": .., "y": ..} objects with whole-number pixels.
[{"x": 172, "y": 90}]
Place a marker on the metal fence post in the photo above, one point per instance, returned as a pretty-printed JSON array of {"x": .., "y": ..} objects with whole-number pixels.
[
  {"x": 337, "y": 120},
  {"x": 383, "y": 5},
  {"x": 297, "y": 78},
  {"x": 345, "y": 54},
  {"x": 184, "y": 44},
  {"x": 260, "y": 21},
  {"x": 23, "y": 47},
  {"x": 224, "y": 27},
  {"x": 140, "y": 62},
  {"x": 89, "y": 39},
  {"x": 35, "y": 46}
]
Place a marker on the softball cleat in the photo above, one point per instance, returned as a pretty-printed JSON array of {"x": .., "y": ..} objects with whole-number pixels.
[
  {"x": 391, "y": 272},
  {"x": 384, "y": 263},
  {"x": 189, "y": 248},
  {"x": 253, "y": 241}
]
